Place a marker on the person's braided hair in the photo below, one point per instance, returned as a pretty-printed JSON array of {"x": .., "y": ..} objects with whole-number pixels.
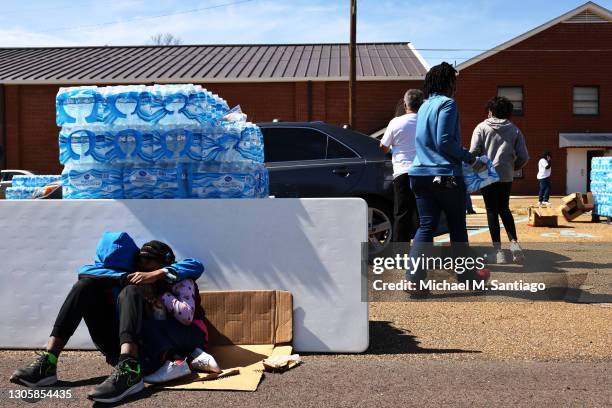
[
  {"x": 158, "y": 251},
  {"x": 439, "y": 78}
]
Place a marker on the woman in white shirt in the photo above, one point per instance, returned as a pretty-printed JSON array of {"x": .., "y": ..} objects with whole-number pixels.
[{"x": 544, "y": 178}]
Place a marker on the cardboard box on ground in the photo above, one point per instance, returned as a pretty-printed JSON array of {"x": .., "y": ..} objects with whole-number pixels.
[
  {"x": 245, "y": 327},
  {"x": 542, "y": 217}
]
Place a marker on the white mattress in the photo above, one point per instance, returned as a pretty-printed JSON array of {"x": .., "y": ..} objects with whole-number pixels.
[{"x": 311, "y": 247}]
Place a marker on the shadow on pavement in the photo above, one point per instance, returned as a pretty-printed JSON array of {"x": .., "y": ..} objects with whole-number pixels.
[
  {"x": 388, "y": 339},
  {"x": 81, "y": 383}
]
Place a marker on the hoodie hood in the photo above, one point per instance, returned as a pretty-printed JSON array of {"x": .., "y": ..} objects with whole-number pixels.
[
  {"x": 498, "y": 124},
  {"x": 115, "y": 256}
]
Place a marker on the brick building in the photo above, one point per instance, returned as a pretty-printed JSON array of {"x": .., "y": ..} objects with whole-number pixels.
[
  {"x": 560, "y": 77},
  {"x": 287, "y": 82}
]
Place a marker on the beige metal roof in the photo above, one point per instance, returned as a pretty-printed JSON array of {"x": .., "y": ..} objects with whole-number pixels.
[{"x": 207, "y": 63}]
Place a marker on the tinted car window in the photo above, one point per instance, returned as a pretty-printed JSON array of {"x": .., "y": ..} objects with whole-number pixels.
[
  {"x": 292, "y": 144},
  {"x": 336, "y": 150}
]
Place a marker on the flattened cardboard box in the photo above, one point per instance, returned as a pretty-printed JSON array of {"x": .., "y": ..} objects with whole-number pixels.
[{"x": 244, "y": 327}]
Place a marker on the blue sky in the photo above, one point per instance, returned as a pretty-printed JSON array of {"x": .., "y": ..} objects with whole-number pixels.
[{"x": 434, "y": 24}]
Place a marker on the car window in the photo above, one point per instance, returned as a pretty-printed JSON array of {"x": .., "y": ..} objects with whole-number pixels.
[
  {"x": 336, "y": 150},
  {"x": 293, "y": 144}
]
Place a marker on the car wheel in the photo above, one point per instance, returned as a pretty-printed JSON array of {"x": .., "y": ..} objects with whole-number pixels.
[{"x": 380, "y": 228}]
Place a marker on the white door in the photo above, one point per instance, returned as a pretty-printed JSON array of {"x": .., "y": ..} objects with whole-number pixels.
[{"x": 576, "y": 177}]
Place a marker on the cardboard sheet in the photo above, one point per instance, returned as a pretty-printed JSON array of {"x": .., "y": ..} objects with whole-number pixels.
[
  {"x": 246, "y": 359},
  {"x": 245, "y": 327}
]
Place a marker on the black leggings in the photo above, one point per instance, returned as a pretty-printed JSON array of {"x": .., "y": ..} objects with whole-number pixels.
[
  {"x": 497, "y": 201},
  {"x": 92, "y": 300}
]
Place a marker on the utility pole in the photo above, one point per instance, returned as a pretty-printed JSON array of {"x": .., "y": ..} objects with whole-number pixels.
[{"x": 352, "y": 65}]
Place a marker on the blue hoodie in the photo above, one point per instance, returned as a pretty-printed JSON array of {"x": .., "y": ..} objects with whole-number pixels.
[
  {"x": 116, "y": 256},
  {"x": 438, "y": 141}
]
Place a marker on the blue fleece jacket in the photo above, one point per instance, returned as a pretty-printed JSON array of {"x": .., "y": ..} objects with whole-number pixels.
[
  {"x": 438, "y": 139},
  {"x": 116, "y": 256}
]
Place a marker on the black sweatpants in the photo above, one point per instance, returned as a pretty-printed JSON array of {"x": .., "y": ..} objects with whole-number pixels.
[
  {"x": 109, "y": 325},
  {"x": 497, "y": 201},
  {"x": 404, "y": 205}
]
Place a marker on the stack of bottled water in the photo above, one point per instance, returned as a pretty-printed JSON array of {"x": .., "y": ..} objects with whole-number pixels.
[
  {"x": 161, "y": 141},
  {"x": 24, "y": 186},
  {"x": 601, "y": 185}
]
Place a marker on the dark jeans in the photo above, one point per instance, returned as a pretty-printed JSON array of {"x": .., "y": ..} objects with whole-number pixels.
[
  {"x": 497, "y": 201},
  {"x": 433, "y": 199},
  {"x": 544, "y": 194},
  {"x": 404, "y": 205},
  {"x": 92, "y": 300},
  {"x": 167, "y": 336}
]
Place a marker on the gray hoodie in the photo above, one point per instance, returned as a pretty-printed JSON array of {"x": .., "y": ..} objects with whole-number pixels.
[{"x": 503, "y": 143}]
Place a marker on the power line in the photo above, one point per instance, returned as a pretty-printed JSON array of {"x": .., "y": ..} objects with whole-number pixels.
[{"x": 176, "y": 13}]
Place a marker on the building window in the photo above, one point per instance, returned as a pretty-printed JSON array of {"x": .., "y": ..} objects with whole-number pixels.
[
  {"x": 515, "y": 95},
  {"x": 586, "y": 100}
]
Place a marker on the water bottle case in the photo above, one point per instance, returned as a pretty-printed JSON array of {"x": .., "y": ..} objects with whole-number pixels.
[
  {"x": 139, "y": 141},
  {"x": 601, "y": 185}
]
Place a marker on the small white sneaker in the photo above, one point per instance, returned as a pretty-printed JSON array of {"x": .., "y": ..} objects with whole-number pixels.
[
  {"x": 517, "y": 252},
  {"x": 171, "y": 370},
  {"x": 545, "y": 203},
  {"x": 202, "y": 361}
]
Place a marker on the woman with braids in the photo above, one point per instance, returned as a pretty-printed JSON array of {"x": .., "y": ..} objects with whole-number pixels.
[
  {"x": 436, "y": 175},
  {"x": 504, "y": 144}
]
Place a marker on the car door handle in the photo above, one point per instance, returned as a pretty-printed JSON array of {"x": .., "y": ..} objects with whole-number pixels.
[{"x": 342, "y": 171}]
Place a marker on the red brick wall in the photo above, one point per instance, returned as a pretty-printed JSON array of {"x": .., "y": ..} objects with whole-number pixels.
[
  {"x": 288, "y": 101},
  {"x": 547, "y": 79}
]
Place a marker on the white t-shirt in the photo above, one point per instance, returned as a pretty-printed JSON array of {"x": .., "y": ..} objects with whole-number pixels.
[
  {"x": 400, "y": 135},
  {"x": 543, "y": 172}
]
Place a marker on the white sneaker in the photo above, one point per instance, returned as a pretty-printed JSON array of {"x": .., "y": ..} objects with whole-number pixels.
[
  {"x": 171, "y": 370},
  {"x": 546, "y": 203},
  {"x": 500, "y": 257},
  {"x": 202, "y": 361},
  {"x": 517, "y": 252}
]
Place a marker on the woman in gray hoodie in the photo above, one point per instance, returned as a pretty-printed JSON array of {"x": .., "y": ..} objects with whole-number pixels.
[{"x": 499, "y": 139}]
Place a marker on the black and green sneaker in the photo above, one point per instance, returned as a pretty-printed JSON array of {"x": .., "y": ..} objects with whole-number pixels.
[
  {"x": 41, "y": 372},
  {"x": 125, "y": 380}
]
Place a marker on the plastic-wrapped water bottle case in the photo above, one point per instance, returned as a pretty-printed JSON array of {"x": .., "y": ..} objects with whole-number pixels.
[{"x": 161, "y": 141}]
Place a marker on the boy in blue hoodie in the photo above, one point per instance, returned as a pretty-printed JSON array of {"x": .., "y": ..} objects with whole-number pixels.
[{"x": 109, "y": 297}]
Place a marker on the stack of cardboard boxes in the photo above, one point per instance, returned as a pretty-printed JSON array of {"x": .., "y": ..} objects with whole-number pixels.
[{"x": 576, "y": 204}]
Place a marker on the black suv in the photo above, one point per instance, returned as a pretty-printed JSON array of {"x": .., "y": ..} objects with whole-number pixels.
[{"x": 314, "y": 159}]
